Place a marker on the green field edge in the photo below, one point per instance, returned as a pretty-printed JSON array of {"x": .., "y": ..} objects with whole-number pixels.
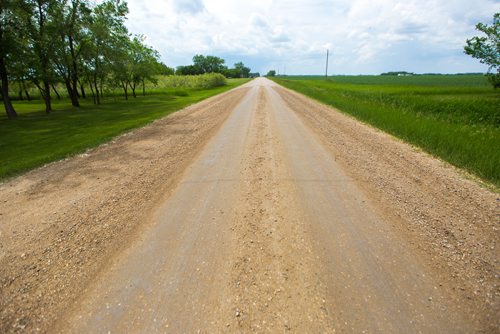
[
  {"x": 183, "y": 101},
  {"x": 491, "y": 183}
]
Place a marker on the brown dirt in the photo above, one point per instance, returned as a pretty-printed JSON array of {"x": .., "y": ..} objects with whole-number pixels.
[
  {"x": 273, "y": 264},
  {"x": 60, "y": 224},
  {"x": 258, "y": 210},
  {"x": 444, "y": 213}
]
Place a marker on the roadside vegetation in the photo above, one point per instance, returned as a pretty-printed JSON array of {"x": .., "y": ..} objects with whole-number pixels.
[
  {"x": 208, "y": 80},
  {"x": 72, "y": 46},
  {"x": 35, "y": 138},
  {"x": 455, "y": 117},
  {"x": 81, "y": 49},
  {"x": 73, "y": 76}
]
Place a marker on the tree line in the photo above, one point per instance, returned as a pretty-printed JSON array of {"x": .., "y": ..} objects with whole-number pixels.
[
  {"x": 212, "y": 64},
  {"x": 73, "y": 42}
]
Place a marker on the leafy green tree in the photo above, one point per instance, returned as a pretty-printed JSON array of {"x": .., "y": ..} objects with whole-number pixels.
[
  {"x": 44, "y": 42},
  {"x": 36, "y": 17},
  {"x": 133, "y": 64},
  {"x": 231, "y": 73},
  {"x": 19, "y": 66},
  {"x": 209, "y": 64},
  {"x": 8, "y": 47},
  {"x": 188, "y": 70},
  {"x": 107, "y": 32},
  {"x": 121, "y": 70},
  {"x": 144, "y": 61},
  {"x": 71, "y": 19},
  {"x": 271, "y": 73},
  {"x": 164, "y": 69},
  {"x": 242, "y": 70},
  {"x": 487, "y": 48}
]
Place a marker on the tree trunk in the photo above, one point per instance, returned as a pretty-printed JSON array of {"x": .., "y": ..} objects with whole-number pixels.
[
  {"x": 26, "y": 90},
  {"x": 45, "y": 93},
  {"x": 93, "y": 94},
  {"x": 143, "y": 89},
  {"x": 74, "y": 75},
  {"x": 125, "y": 90},
  {"x": 20, "y": 91},
  {"x": 46, "y": 97},
  {"x": 71, "y": 87},
  {"x": 82, "y": 89},
  {"x": 98, "y": 99},
  {"x": 96, "y": 71},
  {"x": 55, "y": 91},
  {"x": 133, "y": 89},
  {"x": 72, "y": 93},
  {"x": 9, "y": 108}
]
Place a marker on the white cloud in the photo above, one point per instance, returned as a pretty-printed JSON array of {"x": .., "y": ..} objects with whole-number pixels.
[{"x": 365, "y": 36}]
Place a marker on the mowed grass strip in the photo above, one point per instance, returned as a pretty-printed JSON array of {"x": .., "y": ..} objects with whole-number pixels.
[
  {"x": 35, "y": 138},
  {"x": 456, "y": 118}
]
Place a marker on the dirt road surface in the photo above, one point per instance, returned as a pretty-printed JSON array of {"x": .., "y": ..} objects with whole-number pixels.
[{"x": 258, "y": 210}]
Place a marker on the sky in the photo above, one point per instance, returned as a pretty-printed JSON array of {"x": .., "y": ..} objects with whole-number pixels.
[{"x": 292, "y": 36}]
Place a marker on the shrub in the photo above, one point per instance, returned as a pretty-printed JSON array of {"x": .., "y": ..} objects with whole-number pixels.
[{"x": 202, "y": 81}]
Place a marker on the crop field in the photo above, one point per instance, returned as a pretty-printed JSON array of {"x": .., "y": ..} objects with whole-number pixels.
[
  {"x": 454, "y": 117},
  {"x": 35, "y": 138}
]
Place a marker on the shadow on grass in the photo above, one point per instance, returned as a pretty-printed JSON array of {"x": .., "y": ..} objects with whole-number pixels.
[{"x": 35, "y": 138}]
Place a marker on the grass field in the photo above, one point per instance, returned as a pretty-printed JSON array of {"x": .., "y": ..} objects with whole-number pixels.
[
  {"x": 35, "y": 138},
  {"x": 456, "y": 118}
]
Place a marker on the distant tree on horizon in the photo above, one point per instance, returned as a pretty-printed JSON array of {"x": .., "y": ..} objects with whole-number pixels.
[
  {"x": 398, "y": 73},
  {"x": 212, "y": 64},
  {"x": 271, "y": 73}
]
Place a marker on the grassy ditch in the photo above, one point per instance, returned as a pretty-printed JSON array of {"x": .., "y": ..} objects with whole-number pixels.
[
  {"x": 456, "y": 118},
  {"x": 35, "y": 138}
]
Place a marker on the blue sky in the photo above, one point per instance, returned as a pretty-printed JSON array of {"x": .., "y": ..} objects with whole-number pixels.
[{"x": 364, "y": 36}]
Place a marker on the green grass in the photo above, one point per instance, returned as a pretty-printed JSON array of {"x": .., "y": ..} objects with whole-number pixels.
[
  {"x": 35, "y": 138},
  {"x": 415, "y": 80},
  {"x": 456, "y": 118}
]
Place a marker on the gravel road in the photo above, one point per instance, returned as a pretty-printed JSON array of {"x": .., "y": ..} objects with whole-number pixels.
[{"x": 258, "y": 210}]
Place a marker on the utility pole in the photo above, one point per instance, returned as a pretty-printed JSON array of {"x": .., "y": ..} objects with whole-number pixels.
[{"x": 326, "y": 72}]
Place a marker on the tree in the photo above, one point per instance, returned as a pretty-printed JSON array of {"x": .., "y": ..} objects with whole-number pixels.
[
  {"x": 45, "y": 42},
  {"x": 231, "y": 73},
  {"x": 36, "y": 16},
  {"x": 107, "y": 32},
  {"x": 487, "y": 48},
  {"x": 8, "y": 48},
  {"x": 71, "y": 18},
  {"x": 209, "y": 64},
  {"x": 163, "y": 69},
  {"x": 121, "y": 64},
  {"x": 188, "y": 70},
  {"x": 242, "y": 70},
  {"x": 18, "y": 67},
  {"x": 144, "y": 64},
  {"x": 271, "y": 73}
]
